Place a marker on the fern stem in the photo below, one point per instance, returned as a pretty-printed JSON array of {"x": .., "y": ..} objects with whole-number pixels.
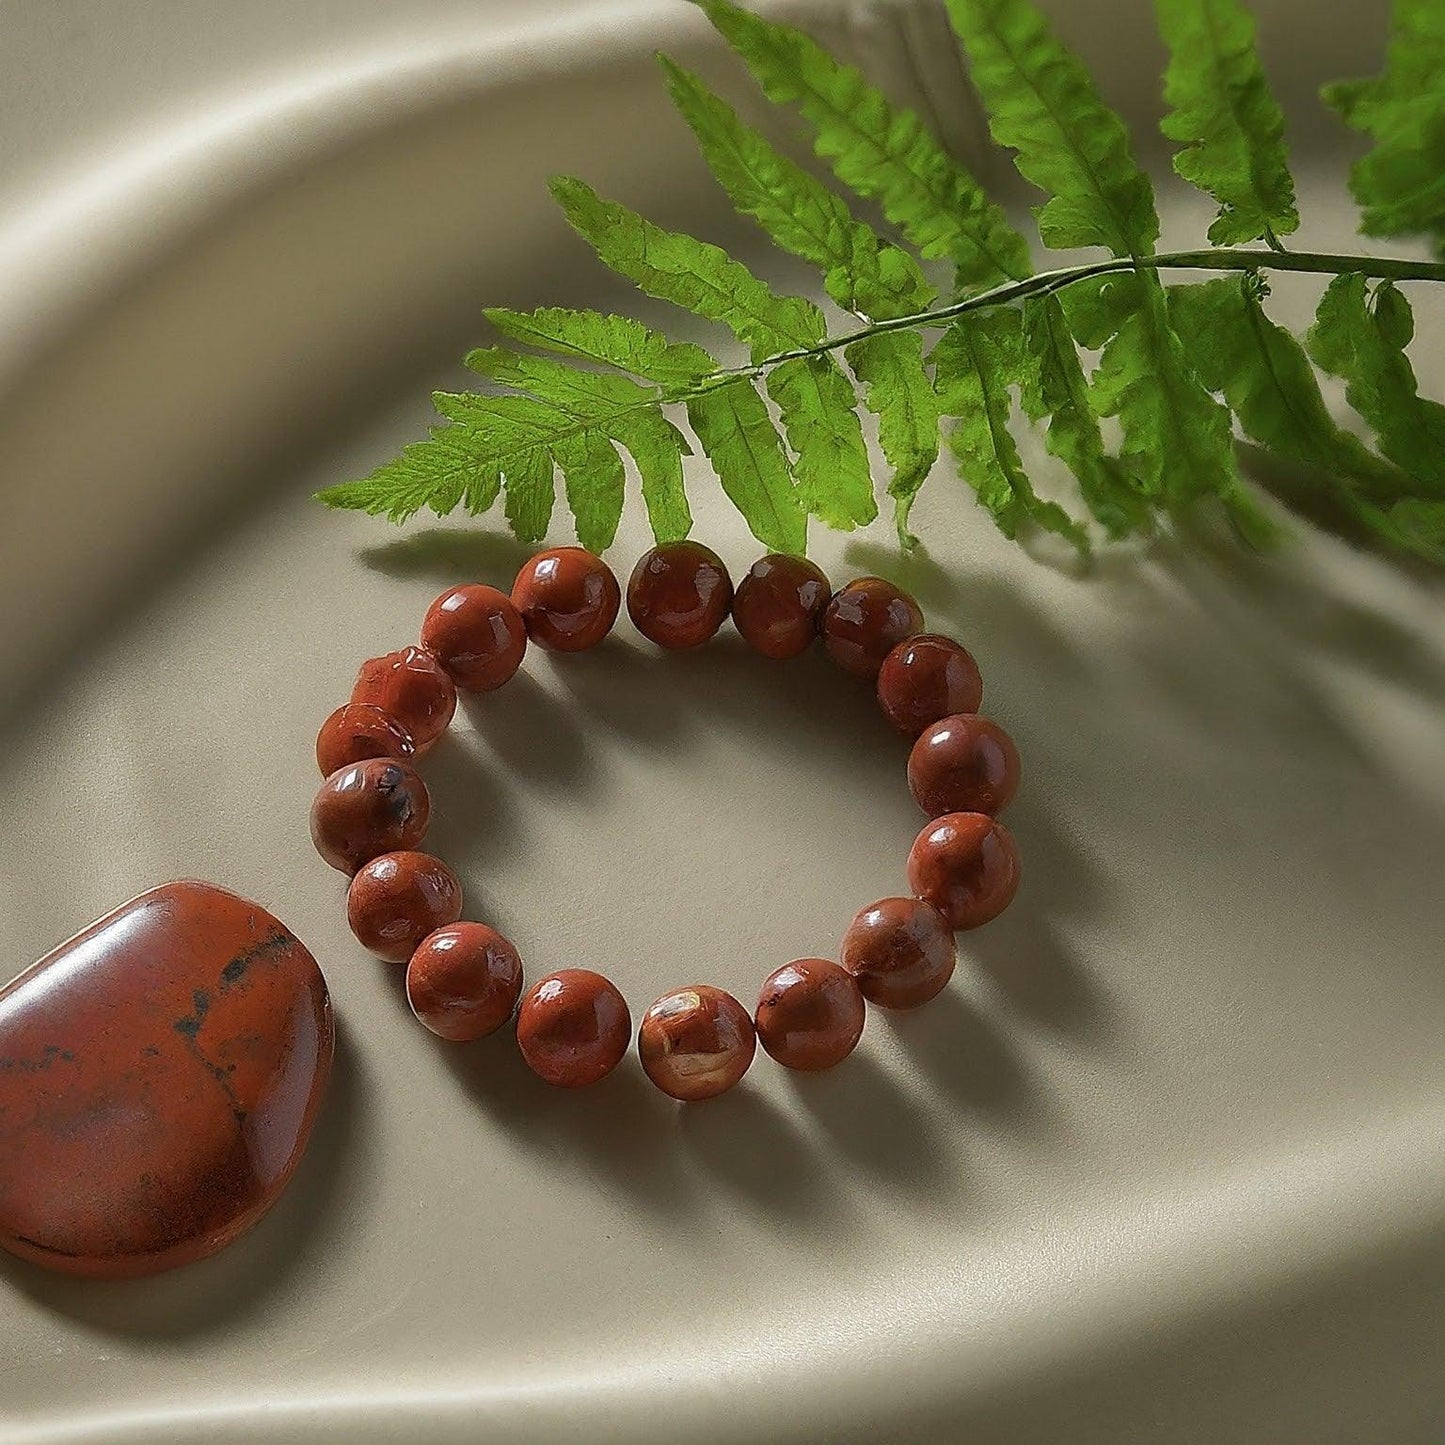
[{"x": 1220, "y": 258}]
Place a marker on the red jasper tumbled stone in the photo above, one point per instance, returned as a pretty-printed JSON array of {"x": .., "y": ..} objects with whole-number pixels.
[
  {"x": 370, "y": 808},
  {"x": 865, "y": 621},
  {"x": 926, "y": 678},
  {"x": 573, "y": 1028},
  {"x": 679, "y": 594},
  {"x": 901, "y": 951},
  {"x": 414, "y": 688},
  {"x": 696, "y": 1043},
  {"x": 477, "y": 635},
  {"x": 964, "y": 764},
  {"x": 777, "y": 607},
  {"x": 358, "y": 731},
  {"x": 396, "y": 900},
  {"x": 568, "y": 598},
  {"x": 463, "y": 981},
  {"x": 159, "y": 1076},
  {"x": 810, "y": 1014},
  {"x": 967, "y": 866}
]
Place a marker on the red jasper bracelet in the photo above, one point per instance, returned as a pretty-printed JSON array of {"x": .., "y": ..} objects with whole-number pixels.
[{"x": 464, "y": 980}]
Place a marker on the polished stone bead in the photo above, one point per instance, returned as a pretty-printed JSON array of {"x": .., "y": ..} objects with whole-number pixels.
[
  {"x": 779, "y": 605},
  {"x": 964, "y": 764},
  {"x": 159, "y": 1076},
  {"x": 696, "y": 1042},
  {"x": 967, "y": 866},
  {"x": 901, "y": 952},
  {"x": 679, "y": 594},
  {"x": 573, "y": 1028},
  {"x": 358, "y": 731},
  {"x": 810, "y": 1014},
  {"x": 865, "y": 621},
  {"x": 926, "y": 678},
  {"x": 463, "y": 981},
  {"x": 414, "y": 688},
  {"x": 396, "y": 900},
  {"x": 568, "y": 599},
  {"x": 477, "y": 635},
  {"x": 370, "y": 808}
]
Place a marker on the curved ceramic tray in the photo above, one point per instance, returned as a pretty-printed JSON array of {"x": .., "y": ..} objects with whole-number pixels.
[{"x": 1164, "y": 1163}]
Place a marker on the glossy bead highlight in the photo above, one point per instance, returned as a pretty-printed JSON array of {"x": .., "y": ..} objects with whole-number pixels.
[
  {"x": 477, "y": 635},
  {"x": 865, "y": 621},
  {"x": 967, "y": 866},
  {"x": 679, "y": 594},
  {"x": 926, "y": 678},
  {"x": 696, "y": 1043},
  {"x": 810, "y": 1014},
  {"x": 414, "y": 688},
  {"x": 568, "y": 599},
  {"x": 373, "y": 807},
  {"x": 396, "y": 900},
  {"x": 779, "y": 605},
  {"x": 573, "y": 1028},
  {"x": 964, "y": 764},
  {"x": 463, "y": 981},
  {"x": 901, "y": 952},
  {"x": 358, "y": 731}
]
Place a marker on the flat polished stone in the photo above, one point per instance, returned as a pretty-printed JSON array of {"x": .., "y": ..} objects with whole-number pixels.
[{"x": 159, "y": 1076}]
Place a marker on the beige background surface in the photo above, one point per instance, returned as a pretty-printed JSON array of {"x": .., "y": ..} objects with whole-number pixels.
[{"x": 1163, "y": 1165}]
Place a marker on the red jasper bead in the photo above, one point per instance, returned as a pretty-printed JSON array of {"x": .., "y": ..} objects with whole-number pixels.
[
  {"x": 414, "y": 688},
  {"x": 926, "y": 678},
  {"x": 359, "y": 731},
  {"x": 865, "y": 621},
  {"x": 568, "y": 599},
  {"x": 967, "y": 866},
  {"x": 679, "y": 594},
  {"x": 573, "y": 1028},
  {"x": 964, "y": 764},
  {"x": 396, "y": 900},
  {"x": 810, "y": 1014},
  {"x": 696, "y": 1042},
  {"x": 463, "y": 981},
  {"x": 373, "y": 807},
  {"x": 901, "y": 951},
  {"x": 477, "y": 635},
  {"x": 779, "y": 604}
]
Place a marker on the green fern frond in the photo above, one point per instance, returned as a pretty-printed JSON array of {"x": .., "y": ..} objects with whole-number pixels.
[
  {"x": 877, "y": 150},
  {"x": 1401, "y": 182},
  {"x": 1228, "y": 119},
  {"x": 975, "y": 364},
  {"x": 578, "y": 392}
]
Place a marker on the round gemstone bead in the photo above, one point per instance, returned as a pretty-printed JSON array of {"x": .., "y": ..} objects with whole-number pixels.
[
  {"x": 568, "y": 599},
  {"x": 463, "y": 981},
  {"x": 964, "y": 764},
  {"x": 359, "y": 731},
  {"x": 778, "y": 606},
  {"x": 477, "y": 635},
  {"x": 396, "y": 900},
  {"x": 414, "y": 688},
  {"x": 369, "y": 808},
  {"x": 901, "y": 952},
  {"x": 967, "y": 866},
  {"x": 926, "y": 678},
  {"x": 810, "y": 1014},
  {"x": 865, "y": 621},
  {"x": 696, "y": 1042},
  {"x": 679, "y": 594},
  {"x": 573, "y": 1028}
]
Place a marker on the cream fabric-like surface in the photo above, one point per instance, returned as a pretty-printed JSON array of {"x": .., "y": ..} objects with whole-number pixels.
[{"x": 1162, "y": 1165}]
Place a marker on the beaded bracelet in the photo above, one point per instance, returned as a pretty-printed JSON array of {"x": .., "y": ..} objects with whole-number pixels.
[{"x": 464, "y": 980}]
